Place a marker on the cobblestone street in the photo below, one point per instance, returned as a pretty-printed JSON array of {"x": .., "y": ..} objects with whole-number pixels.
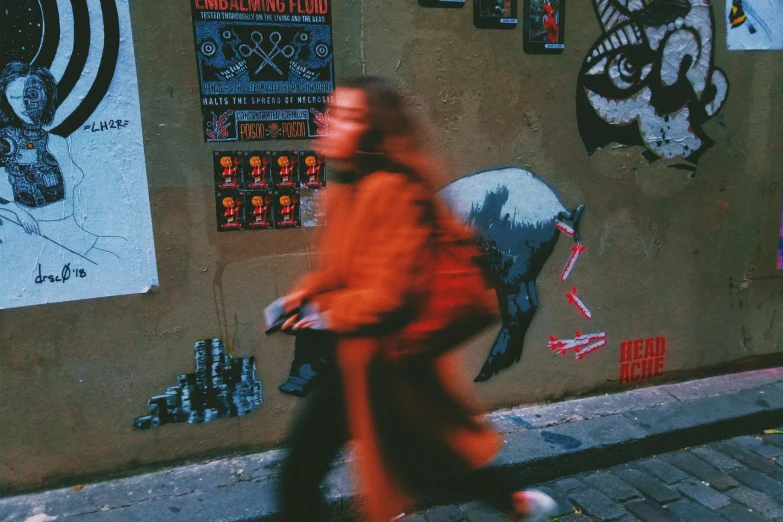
[{"x": 737, "y": 480}]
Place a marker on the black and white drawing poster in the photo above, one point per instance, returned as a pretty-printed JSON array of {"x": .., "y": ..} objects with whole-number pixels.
[
  {"x": 265, "y": 68},
  {"x": 754, "y": 25},
  {"x": 74, "y": 202}
]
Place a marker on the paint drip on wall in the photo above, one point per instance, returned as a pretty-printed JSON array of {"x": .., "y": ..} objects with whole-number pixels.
[
  {"x": 650, "y": 79},
  {"x": 220, "y": 387},
  {"x": 74, "y": 202},
  {"x": 754, "y": 25}
]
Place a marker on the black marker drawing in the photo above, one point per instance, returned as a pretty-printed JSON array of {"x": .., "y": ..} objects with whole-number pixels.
[
  {"x": 70, "y": 193},
  {"x": 39, "y": 181}
]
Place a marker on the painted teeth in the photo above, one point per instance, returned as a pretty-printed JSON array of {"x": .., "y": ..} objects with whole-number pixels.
[
  {"x": 302, "y": 71},
  {"x": 234, "y": 70}
]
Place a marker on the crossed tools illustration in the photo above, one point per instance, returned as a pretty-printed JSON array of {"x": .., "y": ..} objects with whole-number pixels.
[{"x": 266, "y": 59}]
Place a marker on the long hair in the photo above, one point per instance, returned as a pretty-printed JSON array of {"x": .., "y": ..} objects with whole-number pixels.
[
  {"x": 16, "y": 70},
  {"x": 391, "y": 142}
]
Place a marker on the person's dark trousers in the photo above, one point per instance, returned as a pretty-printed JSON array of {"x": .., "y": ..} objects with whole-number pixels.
[
  {"x": 316, "y": 437},
  {"x": 309, "y": 362}
]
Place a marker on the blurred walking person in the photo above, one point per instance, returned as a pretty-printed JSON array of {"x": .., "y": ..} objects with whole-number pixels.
[{"x": 398, "y": 290}]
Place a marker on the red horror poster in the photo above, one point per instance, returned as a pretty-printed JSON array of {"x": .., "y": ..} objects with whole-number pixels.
[{"x": 265, "y": 68}]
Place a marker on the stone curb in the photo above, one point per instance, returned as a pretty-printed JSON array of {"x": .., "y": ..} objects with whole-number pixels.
[{"x": 542, "y": 443}]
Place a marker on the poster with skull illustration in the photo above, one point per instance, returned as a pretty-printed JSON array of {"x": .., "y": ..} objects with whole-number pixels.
[
  {"x": 650, "y": 79},
  {"x": 74, "y": 205},
  {"x": 265, "y": 68}
]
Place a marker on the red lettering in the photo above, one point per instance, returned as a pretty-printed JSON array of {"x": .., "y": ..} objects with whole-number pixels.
[
  {"x": 199, "y": 4},
  {"x": 635, "y": 373},
  {"x": 234, "y": 5},
  {"x": 625, "y": 351},
  {"x": 210, "y": 4},
  {"x": 323, "y": 7},
  {"x": 299, "y": 6},
  {"x": 649, "y": 348},
  {"x": 658, "y": 366},
  {"x": 281, "y": 6},
  {"x": 638, "y": 345},
  {"x": 223, "y": 5},
  {"x": 254, "y": 5},
  {"x": 660, "y": 346},
  {"x": 291, "y": 4},
  {"x": 625, "y": 374},
  {"x": 648, "y": 368}
]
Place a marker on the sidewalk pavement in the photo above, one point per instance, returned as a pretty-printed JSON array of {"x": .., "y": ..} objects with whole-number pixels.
[
  {"x": 543, "y": 443},
  {"x": 736, "y": 480}
]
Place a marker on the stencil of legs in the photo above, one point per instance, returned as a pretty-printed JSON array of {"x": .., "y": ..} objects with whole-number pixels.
[{"x": 517, "y": 310}]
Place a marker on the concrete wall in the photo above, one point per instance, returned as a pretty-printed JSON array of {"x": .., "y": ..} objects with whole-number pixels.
[{"x": 663, "y": 258}]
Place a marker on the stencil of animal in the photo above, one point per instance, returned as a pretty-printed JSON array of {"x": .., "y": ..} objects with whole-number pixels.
[{"x": 514, "y": 215}]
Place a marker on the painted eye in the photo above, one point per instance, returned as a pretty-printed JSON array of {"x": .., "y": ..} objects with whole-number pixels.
[
  {"x": 322, "y": 50},
  {"x": 626, "y": 70},
  {"x": 208, "y": 49},
  {"x": 33, "y": 95}
]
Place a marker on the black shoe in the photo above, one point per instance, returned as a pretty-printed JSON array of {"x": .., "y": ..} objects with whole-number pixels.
[
  {"x": 296, "y": 386},
  {"x": 300, "y": 382}
]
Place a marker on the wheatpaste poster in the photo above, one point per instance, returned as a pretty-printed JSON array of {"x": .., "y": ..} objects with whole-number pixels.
[
  {"x": 265, "y": 68},
  {"x": 74, "y": 202},
  {"x": 754, "y": 25}
]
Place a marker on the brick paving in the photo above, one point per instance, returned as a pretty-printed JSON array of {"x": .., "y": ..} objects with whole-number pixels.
[{"x": 736, "y": 480}]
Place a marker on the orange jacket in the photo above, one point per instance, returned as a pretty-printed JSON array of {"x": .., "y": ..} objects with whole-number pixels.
[{"x": 376, "y": 260}]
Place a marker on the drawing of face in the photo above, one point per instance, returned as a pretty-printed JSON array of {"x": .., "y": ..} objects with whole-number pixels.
[
  {"x": 228, "y": 202},
  {"x": 313, "y": 54},
  {"x": 255, "y": 162},
  {"x": 650, "y": 79},
  {"x": 257, "y": 201},
  {"x": 283, "y": 161},
  {"x": 17, "y": 98},
  {"x": 218, "y": 51},
  {"x": 310, "y": 161},
  {"x": 226, "y": 162},
  {"x": 285, "y": 201}
]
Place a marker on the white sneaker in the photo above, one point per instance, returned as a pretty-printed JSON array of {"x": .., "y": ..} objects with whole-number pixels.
[{"x": 540, "y": 506}]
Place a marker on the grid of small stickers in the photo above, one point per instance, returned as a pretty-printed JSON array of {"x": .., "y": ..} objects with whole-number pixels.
[{"x": 262, "y": 190}]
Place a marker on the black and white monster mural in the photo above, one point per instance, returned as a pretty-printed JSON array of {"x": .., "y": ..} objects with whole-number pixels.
[
  {"x": 650, "y": 79},
  {"x": 74, "y": 207},
  {"x": 518, "y": 219}
]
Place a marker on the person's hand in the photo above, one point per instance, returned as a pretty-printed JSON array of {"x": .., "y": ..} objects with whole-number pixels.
[
  {"x": 293, "y": 301},
  {"x": 313, "y": 321},
  {"x": 28, "y": 222}
]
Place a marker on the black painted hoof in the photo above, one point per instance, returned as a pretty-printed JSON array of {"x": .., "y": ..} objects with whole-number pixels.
[{"x": 492, "y": 367}]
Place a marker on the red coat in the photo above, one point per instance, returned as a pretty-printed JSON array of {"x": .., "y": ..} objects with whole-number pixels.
[{"x": 375, "y": 261}]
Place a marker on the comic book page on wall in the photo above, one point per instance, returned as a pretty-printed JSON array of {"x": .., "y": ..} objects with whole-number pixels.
[
  {"x": 74, "y": 202},
  {"x": 265, "y": 68},
  {"x": 754, "y": 25}
]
